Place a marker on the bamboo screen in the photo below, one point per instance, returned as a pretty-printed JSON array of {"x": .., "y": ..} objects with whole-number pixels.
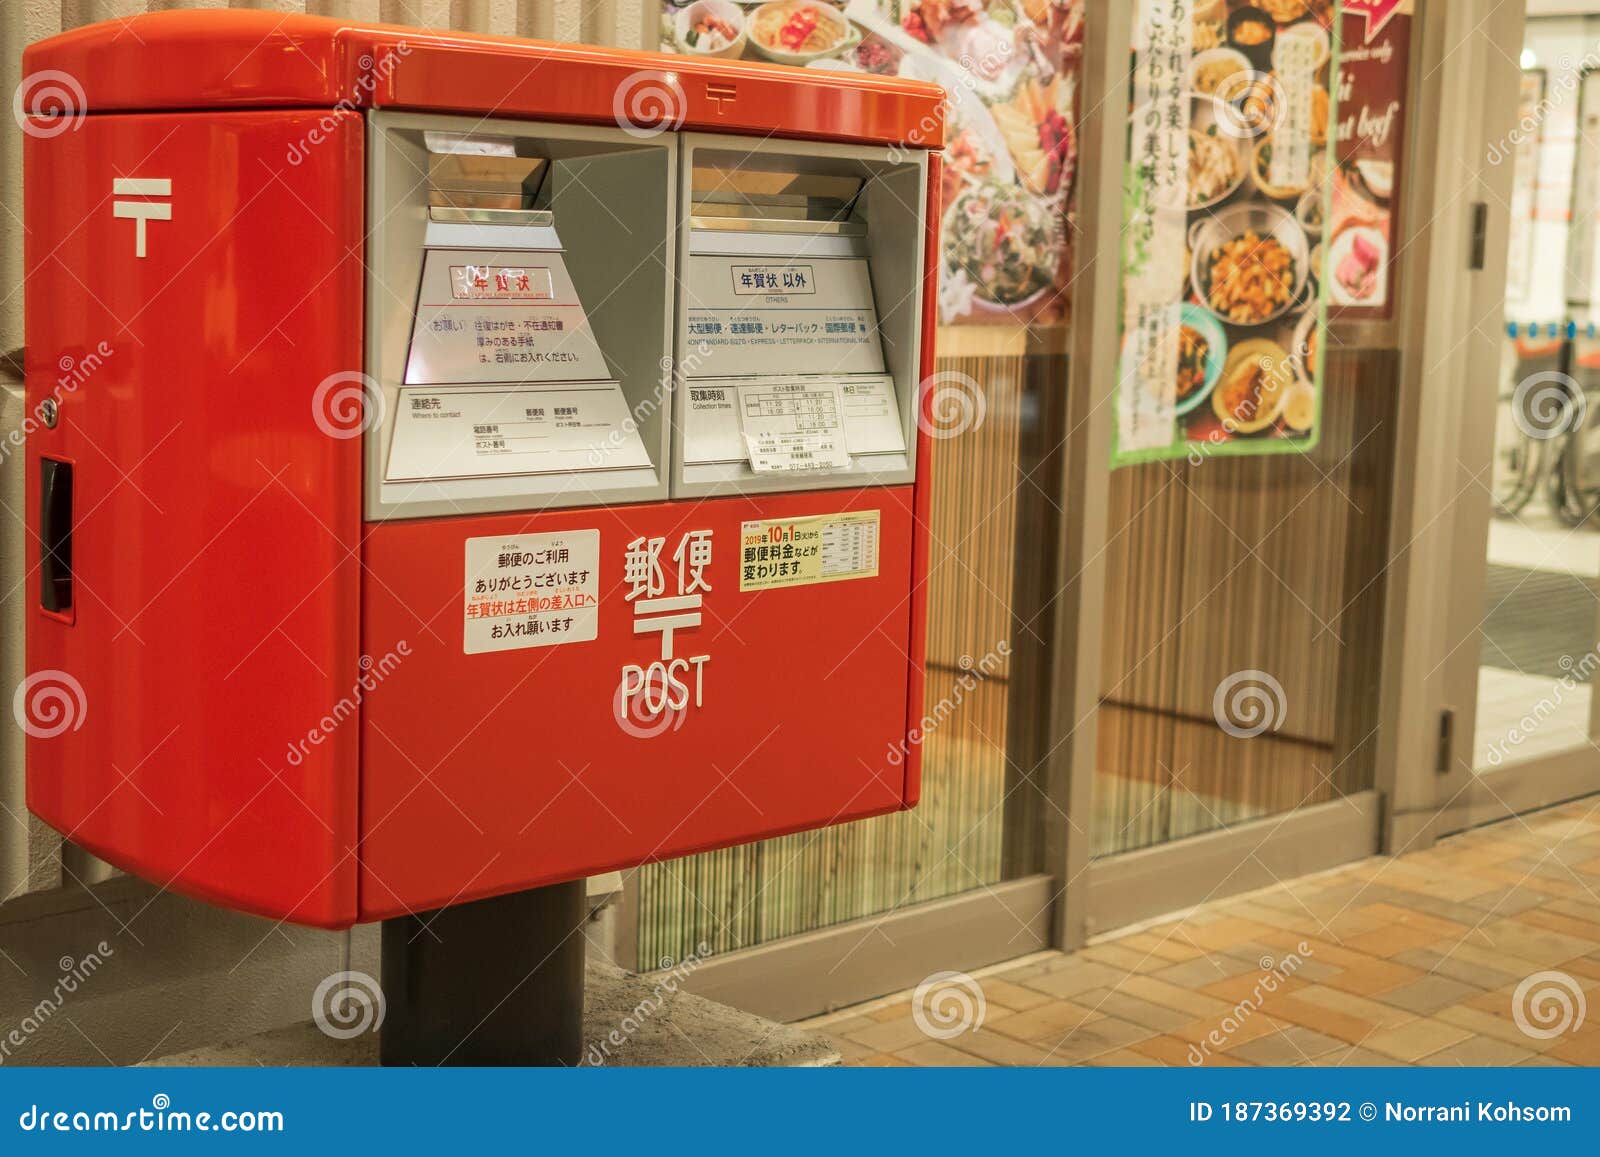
[
  {"x": 952, "y": 841},
  {"x": 1227, "y": 566}
]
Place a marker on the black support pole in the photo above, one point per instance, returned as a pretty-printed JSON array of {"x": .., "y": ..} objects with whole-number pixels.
[{"x": 493, "y": 982}]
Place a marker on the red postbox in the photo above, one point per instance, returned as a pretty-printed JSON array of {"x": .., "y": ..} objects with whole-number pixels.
[{"x": 465, "y": 464}]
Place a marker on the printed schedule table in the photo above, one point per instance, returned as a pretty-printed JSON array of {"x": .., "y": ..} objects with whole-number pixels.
[
  {"x": 810, "y": 410},
  {"x": 850, "y": 547}
]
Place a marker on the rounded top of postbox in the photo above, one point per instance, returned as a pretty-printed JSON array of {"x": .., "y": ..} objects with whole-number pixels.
[{"x": 233, "y": 59}]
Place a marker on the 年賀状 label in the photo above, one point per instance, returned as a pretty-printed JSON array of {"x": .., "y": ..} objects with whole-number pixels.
[
  {"x": 488, "y": 316},
  {"x": 531, "y": 590}
]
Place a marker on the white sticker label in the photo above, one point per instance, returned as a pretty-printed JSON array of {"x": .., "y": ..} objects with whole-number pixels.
[
  {"x": 488, "y": 431},
  {"x": 711, "y": 419},
  {"x": 501, "y": 283},
  {"x": 793, "y": 426},
  {"x": 780, "y": 317},
  {"x": 1295, "y": 65},
  {"x": 1154, "y": 250},
  {"x": 532, "y": 590},
  {"x": 487, "y": 316}
]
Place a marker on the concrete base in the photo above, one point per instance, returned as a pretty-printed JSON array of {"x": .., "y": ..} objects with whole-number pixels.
[{"x": 627, "y": 1020}]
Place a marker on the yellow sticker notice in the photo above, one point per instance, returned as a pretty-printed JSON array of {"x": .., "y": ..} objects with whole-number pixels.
[{"x": 818, "y": 548}]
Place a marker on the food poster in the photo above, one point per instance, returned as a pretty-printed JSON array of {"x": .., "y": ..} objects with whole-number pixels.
[
  {"x": 1227, "y": 186},
  {"x": 1010, "y": 68},
  {"x": 1360, "y": 238}
]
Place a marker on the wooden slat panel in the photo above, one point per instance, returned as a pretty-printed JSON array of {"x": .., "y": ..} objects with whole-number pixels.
[
  {"x": 952, "y": 843},
  {"x": 1248, "y": 564},
  {"x": 973, "y": 520}
]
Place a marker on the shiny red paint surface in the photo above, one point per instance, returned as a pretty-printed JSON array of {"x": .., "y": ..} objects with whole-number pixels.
[
  {"x": 209, "y": 59},
  {"x": 923, "y": 500},
  {"x": 216, "y": 603},
  {"x": 488, "y": 772},
  {"x": 231, "y": 745}
]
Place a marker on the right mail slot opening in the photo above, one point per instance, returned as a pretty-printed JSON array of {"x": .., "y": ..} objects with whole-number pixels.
[{"x": 797, "y": 317}]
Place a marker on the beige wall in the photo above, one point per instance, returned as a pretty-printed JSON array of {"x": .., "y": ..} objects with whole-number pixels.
[{"x": 182, "y": 973}]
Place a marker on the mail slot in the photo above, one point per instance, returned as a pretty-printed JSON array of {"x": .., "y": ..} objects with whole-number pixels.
[{"x": 478, "y": 463}]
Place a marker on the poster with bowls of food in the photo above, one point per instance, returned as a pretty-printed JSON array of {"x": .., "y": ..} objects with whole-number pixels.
[
  {"x": 1010, "y": 69},
  {"x": 1230, "y": 151}
]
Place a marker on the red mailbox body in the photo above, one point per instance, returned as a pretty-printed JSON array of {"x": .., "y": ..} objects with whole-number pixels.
[{"x": 265, "y": 699}]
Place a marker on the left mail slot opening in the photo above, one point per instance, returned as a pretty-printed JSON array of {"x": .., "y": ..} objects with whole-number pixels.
[{"x": 520, "y": 266}]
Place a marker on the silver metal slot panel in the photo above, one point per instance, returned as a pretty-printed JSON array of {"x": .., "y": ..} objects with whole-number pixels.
[
  {"x": 523, "y": 218},
  {"x": 773, "y": 191},
  {"x": 504, "y": 315},
  {"x": 482, "y": 173},
  {"x": 715, "y": 412},
  {"x": 786, "y": 315},
  {"x": 453, "y": 432}
]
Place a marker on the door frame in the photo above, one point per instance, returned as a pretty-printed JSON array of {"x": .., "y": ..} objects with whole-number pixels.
[
  {"x": 1100, "y": 894},
  {"x": 1452, "y": 328}
]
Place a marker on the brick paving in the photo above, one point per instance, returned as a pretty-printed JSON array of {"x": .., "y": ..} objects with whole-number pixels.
[{"x": 1414, "y": 960}]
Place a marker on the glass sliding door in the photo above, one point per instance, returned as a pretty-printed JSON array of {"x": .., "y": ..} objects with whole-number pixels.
[
  {"x": 1250, "y": 500},
  {"x": 1536, "y": 654},
  {"x": 1005, "y": 198},
  {"x": 1243, "y": 625},
  {"x": 955, "y": 840}
]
